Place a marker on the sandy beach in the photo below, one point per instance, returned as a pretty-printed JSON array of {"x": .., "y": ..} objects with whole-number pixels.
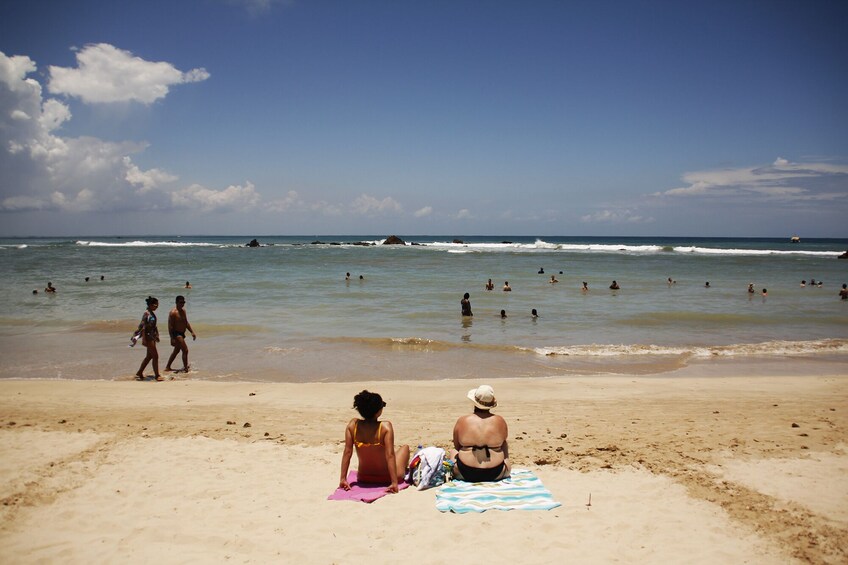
[{"x": 690, "y": 467}]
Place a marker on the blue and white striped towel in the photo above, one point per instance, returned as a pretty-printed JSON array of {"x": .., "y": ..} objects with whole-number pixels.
[{"x": 521, "y": 491}]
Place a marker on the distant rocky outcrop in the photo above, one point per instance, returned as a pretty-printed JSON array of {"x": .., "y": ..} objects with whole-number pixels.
[
  {"x": 458, "y": 241},
  {"x": 253, "y": 243},
  {"x": 843, "y": 256},
  {"x": 394, "y": 240}
]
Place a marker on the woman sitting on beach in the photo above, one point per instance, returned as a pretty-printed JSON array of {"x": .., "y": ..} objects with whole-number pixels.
[
  {"x": 481, "y": 451},
  {"x": 149, "y": 337},
  {"x": 375, "y": 445}
]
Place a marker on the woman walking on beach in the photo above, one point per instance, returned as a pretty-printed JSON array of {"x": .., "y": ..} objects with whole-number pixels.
[
  {"x": 149, "y": 337},
  {"x": 375, "y": 445}
]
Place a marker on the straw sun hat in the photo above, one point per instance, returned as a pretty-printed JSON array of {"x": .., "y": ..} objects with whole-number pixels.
[{"x": 483, "y": 397}]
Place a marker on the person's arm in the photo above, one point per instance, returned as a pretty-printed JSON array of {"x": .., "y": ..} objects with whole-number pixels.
[
  {"x": 346, "y": 455},
  {"x": 505, "y": 445},
  {"x": 189, "y": 328},
  {"x": 171, "y": 318},
  {"x": 391, "y": 463},
  {"x": 456, "y": 444}
]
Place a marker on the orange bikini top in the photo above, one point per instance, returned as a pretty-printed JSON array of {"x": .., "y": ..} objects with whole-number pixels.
[{"x": 377, "y": 442}]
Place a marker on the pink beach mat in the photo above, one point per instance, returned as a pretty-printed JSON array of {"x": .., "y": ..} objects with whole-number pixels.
[{"x": 362, "y": 492}]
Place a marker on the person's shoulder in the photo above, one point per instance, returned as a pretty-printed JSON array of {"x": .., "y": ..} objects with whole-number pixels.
[{"x": 464, "y": 418}]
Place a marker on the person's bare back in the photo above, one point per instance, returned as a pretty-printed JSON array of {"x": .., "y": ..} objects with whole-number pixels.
[{"x": 481, "y": 439}]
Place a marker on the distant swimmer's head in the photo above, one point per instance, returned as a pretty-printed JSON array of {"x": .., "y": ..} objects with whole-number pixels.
[
  {"x": 151, "y": 301},
  {"x": 483, "y": 397},
  {"x": 534, "y": 313},
  {"x": 102, "y": 278},
  {"x": 368, "y": 404},
  {"x": 466, "y": 296},
  {"x": 35, "y": 291},
  {"x": 503, "y": 312},
  {"x": 86, "y": 279}
]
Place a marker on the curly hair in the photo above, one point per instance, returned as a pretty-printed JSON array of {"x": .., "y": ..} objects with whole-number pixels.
[
  {"x": 368, "y": 404},
  {"x": 151, "y": 300}
]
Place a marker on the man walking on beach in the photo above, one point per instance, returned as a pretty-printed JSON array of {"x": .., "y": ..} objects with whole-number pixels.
[{"x": 177, "y": 325}]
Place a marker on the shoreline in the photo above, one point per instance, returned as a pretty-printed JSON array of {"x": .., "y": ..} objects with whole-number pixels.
[
  {"x": 105, "y": 356},
  {"x": 698, "y": 466}
]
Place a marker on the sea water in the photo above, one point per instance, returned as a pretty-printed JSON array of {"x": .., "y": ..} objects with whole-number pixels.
[{"x": 284, "y": 311}]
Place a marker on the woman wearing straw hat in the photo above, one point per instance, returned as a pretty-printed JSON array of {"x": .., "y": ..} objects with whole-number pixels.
[{"x": 480, "y": 440}]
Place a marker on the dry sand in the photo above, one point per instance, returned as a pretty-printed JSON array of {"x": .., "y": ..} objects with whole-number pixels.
[{"x": 682, "y": 469}]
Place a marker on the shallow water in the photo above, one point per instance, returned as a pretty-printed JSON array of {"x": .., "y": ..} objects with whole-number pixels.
[{"x": 284, "y": 311}]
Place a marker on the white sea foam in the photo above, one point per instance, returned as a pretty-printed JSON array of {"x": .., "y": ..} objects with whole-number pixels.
[
  {"x": 714, "y": 251},
  {"x": 544, "y": 246},
  {"x": 783, "y": 348},
  {"x": 142, "y": 243}
]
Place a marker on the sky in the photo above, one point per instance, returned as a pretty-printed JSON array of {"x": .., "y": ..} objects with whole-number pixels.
[{"x": 299, "y": 117}]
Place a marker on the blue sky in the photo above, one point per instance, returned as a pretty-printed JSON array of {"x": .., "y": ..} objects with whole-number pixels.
[{"x": 305, "y": 117}]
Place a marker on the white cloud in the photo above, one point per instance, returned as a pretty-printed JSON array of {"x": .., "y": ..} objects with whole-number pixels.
[
  {"x": 146, "y": 180},
  {"x": 464, "y": 214},
  {"x": 13, "y": 72},
  {"x": 623, "y": 216},
  {"x": 368, "y": 205},
  {"x": 15, "y": 203},
  {"x": 232, "y": 198},
  {"x": 259, "y": 7},
  {"x": 105, "y": 74},
  {"x": 780, "y": 181},
  {"x": 53, "y": 114},
  {"x": 326, "y": 208},
  {"x": 40, "y": 170},
  {"x": 422, "y": 212},
  {"x": 290, "y": 200}
]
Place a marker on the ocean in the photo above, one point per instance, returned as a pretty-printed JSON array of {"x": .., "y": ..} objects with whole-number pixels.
[{"x": 284, "y": 311}]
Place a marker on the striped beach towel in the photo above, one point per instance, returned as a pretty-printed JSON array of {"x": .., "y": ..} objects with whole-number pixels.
[{"x": 521, "y": 491}]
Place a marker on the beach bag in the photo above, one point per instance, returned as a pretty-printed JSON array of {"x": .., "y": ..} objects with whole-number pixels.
[{"x": 429, "y": 468}]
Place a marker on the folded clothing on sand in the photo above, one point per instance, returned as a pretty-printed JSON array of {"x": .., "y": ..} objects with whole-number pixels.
[
  {"x": 362, "y": 492},
  {"x": 521, "y": 491}
]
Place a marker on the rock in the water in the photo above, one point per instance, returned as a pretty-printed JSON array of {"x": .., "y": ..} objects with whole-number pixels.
[{"x": 394, "y": 240}]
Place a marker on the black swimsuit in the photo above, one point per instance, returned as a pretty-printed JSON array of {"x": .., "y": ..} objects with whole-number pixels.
[{"x": 477, "y": 475}]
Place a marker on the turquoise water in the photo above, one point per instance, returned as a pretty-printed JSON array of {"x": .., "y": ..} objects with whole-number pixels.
[{"x": 284, "y": 311}]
